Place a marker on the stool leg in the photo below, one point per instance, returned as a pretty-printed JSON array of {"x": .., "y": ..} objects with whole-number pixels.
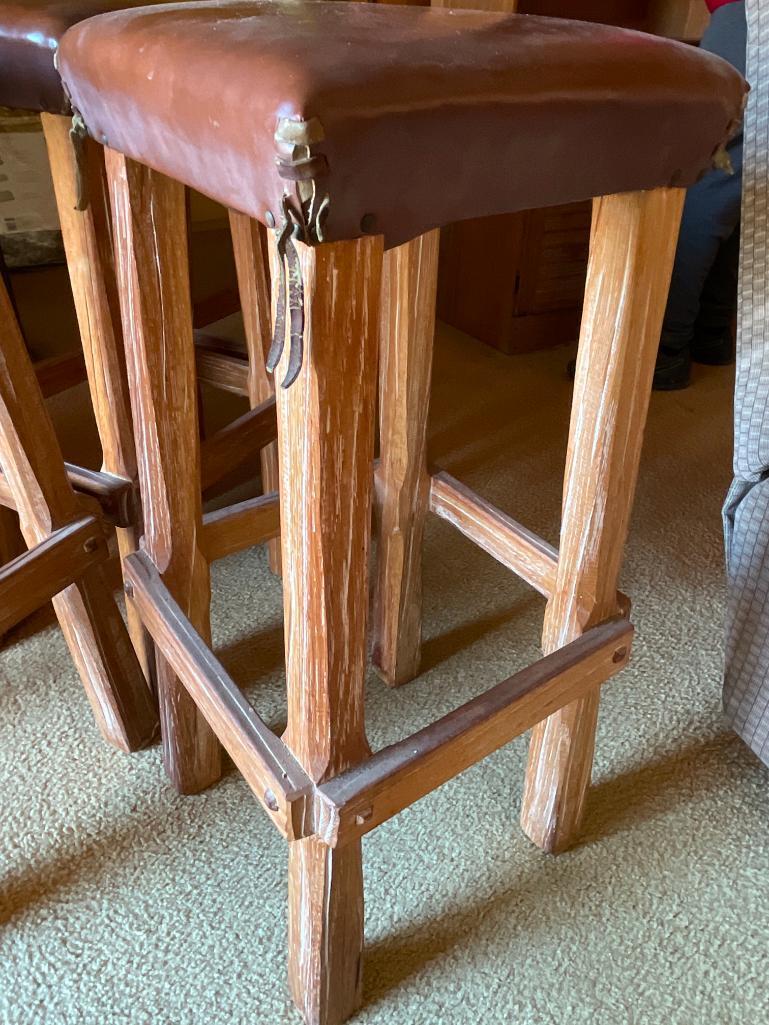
[
  {"x": 90, "y": 621},
  {"x": 326, "y": 425},
  {"x": 249, "y": 244},
  {"x": 11, "y": 541},
  {"x": 631, "y": 253},
  {"x": 149, "y": 224},
  {"x": 87, "y": 239},
  {"x": 403, "y": 486}
]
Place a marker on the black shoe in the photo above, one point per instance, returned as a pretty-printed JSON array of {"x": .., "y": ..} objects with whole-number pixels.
[
  {"x": 714, "y": 351},
  {"x": 671, "y": 373}
]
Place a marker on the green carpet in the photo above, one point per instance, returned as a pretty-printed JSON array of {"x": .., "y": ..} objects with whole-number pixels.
[{"x": 122, "y": 904}]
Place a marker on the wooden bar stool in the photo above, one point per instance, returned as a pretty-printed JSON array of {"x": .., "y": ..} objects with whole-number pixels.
[
  {"x": 29, "y": 80},
  {"x": 350, "y": 129},
  {"x": 67, "y": 553},
  {"x": 29, "y": 36}
]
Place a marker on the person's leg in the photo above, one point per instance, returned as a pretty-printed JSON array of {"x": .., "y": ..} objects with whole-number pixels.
[
  {"x": 713, "y": 341},
  {"x": 711, "y": 215}
]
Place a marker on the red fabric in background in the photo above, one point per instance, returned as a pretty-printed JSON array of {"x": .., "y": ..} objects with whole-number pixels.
[{"x": 712, "y": 4}]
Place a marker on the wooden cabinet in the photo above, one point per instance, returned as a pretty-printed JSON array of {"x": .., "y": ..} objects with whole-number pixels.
[{"x": 516, "y": 281}]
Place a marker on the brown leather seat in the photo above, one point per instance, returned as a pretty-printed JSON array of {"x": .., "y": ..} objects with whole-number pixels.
[
  {"x": 30, "y": 31},
  {"x": 394, "y": 120}
]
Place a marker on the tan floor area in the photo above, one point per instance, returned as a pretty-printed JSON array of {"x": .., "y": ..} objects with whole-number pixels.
[{"x": 123, "y": 904}]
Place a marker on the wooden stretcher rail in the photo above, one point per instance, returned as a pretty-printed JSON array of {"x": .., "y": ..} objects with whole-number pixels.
[
  {"x": 502, "y": 537},
  {"x": 240, "y": 526},
  {"x": 116, "y": 496},
  {"x": 269, "y": 768},
  {"x": 238, "y": 442},
  {"x": 220, "y": 368},
  {"x": 509, "y": 542},
  {"x": 59, "y": 373},
  {"x": 395, "y": 777},
  {"x": 36, "y": 576}
]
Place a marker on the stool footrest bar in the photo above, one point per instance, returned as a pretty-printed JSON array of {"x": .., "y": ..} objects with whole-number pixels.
[
  {"x": 269, "y": 768},
  {"x": 395, "y": 777},
  {"x": 116, "y": 495},
  {"x": 495, "y": 532},
  {"x": 238, "y": 442},
  {"x": 36, "y": 576},
  {"x": 240, "y": 526},
  {"x": 519, "y": 549},
  {"x": 221, "y": 369}
]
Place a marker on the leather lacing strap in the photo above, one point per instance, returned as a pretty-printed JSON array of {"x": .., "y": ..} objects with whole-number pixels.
[
  {"x": 78, "y": 134},
  {"x": 290, "y": 297}
]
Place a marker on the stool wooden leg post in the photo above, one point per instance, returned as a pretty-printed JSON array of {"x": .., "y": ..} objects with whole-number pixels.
[
  {"x": 87, "y": 236},
  {"x": 90, "y": 621},
  {"x": 631, "y": 254},
  {"x": 249, "y": 242},
  {"x": 403, "y": 487},
  {"x": 11, "y": 541},
  {"x": 326, "y": 438},
  {"x": 149, "y": 223}
]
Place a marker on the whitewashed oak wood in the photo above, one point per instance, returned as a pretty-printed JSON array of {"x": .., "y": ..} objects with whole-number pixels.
[
  {"x": 402, "y": 484},
  {"x": 249, "y": 243},
  {"x": 148, "y": 215},
  {"x": 238, "y": 442},
  {"x": 395, "y": 777},
  {"x": 508, "y": 541},
  {"x": 34, "y": 472},
  {"x": 239, "y": 526},
  {"x": 87, "y": 237},
  {"x": 39, "y": 573},
  {"x": 284, "y": 790},
  {"x": 632, "y": 245},
  {"x": 326, "y": 423}
]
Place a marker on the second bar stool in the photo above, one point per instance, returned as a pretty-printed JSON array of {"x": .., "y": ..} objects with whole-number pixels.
[{"x": 349, "y": 129}]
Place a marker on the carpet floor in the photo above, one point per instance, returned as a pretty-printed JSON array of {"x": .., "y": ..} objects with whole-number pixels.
[{"x": 123, "y": 904}]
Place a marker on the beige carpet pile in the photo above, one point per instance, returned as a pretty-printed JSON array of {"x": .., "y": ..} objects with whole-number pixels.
[{"x": 123, "y": 904}]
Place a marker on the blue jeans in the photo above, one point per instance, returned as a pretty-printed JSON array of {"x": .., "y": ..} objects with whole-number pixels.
[{"x": 703, "y": 288}]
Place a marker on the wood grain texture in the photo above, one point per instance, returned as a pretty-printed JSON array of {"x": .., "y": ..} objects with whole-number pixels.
[
  {"x": 224, "y": 370},
  {"x": 149, "y": 224},
  {"x": 397, "y": 776},
  {"x": 239, "y": 526},
  {"x": 508, "y": 541},
  {"x": 87, "y": 237},
  {"x": 276, "y": 778},
  {"x": 89, "y": 618},
  {"x": 33, "y": 578},
  {"x": 238, "y": 442},
  {"x": 111, "y": 497},
  {"x": 249, "y": 242},
  {"x": 59, "y": 373},
  {"x": 326, "y": 441},
  {"x": 403, "y": 486},
  {"x": 633, "y": 242}
]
